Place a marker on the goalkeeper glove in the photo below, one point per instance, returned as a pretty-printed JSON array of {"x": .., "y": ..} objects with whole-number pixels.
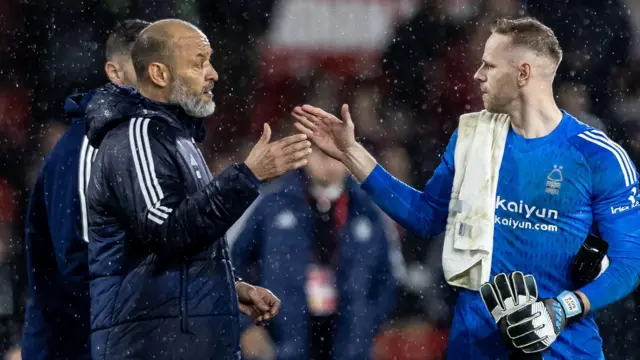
[
  {"x": 534, "y": 327},
  {"x": 505, "y": 296}
]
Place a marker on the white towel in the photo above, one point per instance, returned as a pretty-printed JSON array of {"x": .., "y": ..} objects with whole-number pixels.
[{"x": 468, "y": 246}]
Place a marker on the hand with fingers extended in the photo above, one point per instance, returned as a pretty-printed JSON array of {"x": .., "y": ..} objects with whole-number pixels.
[
  {"x": 333, "y": 136},
  {"x": 505, "y": 296},
  {"x": 269, "y": 160},
  {"x": 257, "y": 302}
]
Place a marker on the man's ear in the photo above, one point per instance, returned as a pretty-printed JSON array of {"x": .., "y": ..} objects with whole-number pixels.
[
  {"x": 113, "y": 72},
  {"x": 524, "y": 74},
  {"x": 159, "y": 74}
]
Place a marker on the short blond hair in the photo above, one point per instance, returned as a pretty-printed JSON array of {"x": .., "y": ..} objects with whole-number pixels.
[{"x": 532, "y": 34}]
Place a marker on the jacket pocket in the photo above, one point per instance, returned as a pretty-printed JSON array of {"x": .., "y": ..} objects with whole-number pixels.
[{"x": 184, "y": 316}]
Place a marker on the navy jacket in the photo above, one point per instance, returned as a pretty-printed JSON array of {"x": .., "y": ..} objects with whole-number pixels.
[
  {"x": 57, "y": 312},
  {"x": 278, "y": 237},
  {"x": 162, "y": 285}
]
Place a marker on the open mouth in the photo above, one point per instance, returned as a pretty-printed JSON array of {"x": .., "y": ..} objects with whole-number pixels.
[{"x": 208, "y": 91}]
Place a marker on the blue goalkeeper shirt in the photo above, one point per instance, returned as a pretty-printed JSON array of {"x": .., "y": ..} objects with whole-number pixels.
[{"x": 552, "y": 192}]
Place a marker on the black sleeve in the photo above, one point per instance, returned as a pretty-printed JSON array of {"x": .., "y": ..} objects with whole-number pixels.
[{"x": 168, "y": 219}]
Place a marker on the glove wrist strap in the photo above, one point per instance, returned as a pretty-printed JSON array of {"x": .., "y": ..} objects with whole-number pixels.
[{"x": 571, "y": 304}]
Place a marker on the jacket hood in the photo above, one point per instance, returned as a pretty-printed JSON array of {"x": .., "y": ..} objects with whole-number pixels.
[
  {"x": 111, "y": 105},
  {"x": 75, "y": 106}
]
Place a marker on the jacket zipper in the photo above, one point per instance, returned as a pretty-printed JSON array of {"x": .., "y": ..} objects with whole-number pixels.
[
  {"x": 226, "y": 258},
  {"x": 184, "y": 317}
]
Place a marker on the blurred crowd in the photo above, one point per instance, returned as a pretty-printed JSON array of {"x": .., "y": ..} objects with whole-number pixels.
[{"x": 405, "y": 68}]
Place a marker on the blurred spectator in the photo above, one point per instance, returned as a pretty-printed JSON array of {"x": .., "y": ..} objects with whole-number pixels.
[
  {"x": 411, "y": 59},
  {"x": 574, "y": 99},
  {"x": 395, "y": 159},
  {"x": 397, "y": 125},
  {"x": 626, "y": 104},
  {"x": 320, "y": 245},
  {"x": 14, "y": 107},
  {"x": 366, "y": 106},
  {"x": 426, "y": 292}
]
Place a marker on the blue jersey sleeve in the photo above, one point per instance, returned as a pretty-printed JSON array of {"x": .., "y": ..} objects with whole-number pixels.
[
  {"x": 422, "y": 213},
  {"x": 616, "y": 214}
]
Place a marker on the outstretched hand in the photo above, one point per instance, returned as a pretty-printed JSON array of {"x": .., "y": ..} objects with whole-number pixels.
[
  {"x": 333, "y": 136},
  {"x": 269, "y": 160}
]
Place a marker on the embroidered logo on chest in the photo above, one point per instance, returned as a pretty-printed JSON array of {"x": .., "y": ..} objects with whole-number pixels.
[
  {"x": 189, "y": 153},
  {"x": 554, "y": 180}
]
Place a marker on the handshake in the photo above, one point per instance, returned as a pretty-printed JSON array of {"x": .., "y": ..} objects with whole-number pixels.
[{"x": 269, "y": 160}]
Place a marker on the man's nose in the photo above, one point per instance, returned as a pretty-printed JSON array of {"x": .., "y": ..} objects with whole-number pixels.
[
  {"x": 212, "y": 75},
  {"x": 478, "y": 77}
]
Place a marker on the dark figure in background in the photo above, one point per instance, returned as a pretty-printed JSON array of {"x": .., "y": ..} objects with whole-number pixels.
[
  {"x": 320, "y": 243},
  {"x": 57, "y": 313}
]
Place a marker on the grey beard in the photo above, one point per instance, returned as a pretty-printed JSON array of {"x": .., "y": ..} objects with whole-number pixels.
[{"x": 192, "y": 104}]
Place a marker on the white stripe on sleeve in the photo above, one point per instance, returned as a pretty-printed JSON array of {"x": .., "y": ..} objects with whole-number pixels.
[
  {"x": 623, "y": 154},
  {"x": 152, "y": 169},
  {"x": 145, "y": 171},
  {"x": 605, "y": 145},
  {"x": 83, "y": 180}
]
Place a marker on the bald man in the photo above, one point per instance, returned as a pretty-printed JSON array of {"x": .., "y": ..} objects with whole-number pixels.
[{"x": 162, "y": 283}]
